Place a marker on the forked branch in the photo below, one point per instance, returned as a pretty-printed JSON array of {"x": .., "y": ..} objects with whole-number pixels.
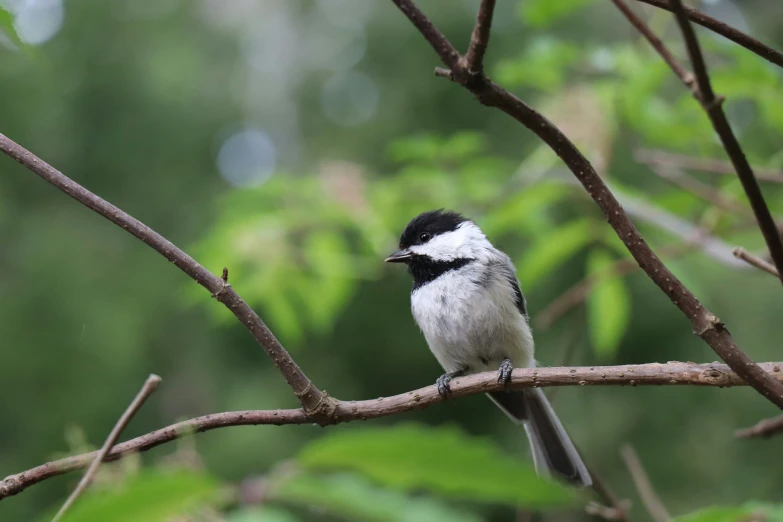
[
  {"x": 705, "y": 324},
  {"x": 712, "y": 105},
  {"x": 725, "y": 30},
  {"x": 479, "y": 39},
  {"x": 312, "y": 399},
  {"x": 655, "y": 374},
  {"x": 149, "y": 386}
]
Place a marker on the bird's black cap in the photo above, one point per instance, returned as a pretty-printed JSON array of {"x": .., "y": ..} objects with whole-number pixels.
[{"x": 433, "y": 222}]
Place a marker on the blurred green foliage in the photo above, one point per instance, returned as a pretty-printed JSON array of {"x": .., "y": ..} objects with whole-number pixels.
[
  {"x": 752, "y": 510},
  {"x": 150, "y": 495},
  {"x": 136, "y": 101},
  {"x": 608, "y": 305},
  {"x": 442, "y": 460}
]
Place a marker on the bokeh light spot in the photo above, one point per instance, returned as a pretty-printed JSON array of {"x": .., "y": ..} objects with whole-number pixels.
[
  {"x": 349, "y": 98},
  {"x": 37, "y": 21},
  {"x": 247, "y": 158}
]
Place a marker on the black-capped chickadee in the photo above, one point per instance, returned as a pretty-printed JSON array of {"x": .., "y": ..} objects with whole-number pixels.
[{"x": 467, "y": 301}]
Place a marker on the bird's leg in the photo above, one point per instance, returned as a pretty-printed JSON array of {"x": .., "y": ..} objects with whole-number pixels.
[
  {"x": 442, "y": 382},
  {"x": 504, "y": 372}
]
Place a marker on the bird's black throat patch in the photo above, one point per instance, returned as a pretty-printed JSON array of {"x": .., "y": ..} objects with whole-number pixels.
[{"x": 424, "y": 269}]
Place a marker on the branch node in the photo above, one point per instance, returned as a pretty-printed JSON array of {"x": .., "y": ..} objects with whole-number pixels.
[
  {"x": 715, "y": 104},
  {"x": 618, "y": 513},
  {"x": 442, "y": 72},
  {"x": 10, "y": 486},
  {"x": 224, "y": 277},
  {"x": 715, "y": 377},
  {"x": 223, "y": 287},
  {"x": 711, "y": 322},
  {"x": 322, "y": 412}
]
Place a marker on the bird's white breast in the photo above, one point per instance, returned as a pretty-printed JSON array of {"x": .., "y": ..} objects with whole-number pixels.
[{"x": 470, "y": 320}]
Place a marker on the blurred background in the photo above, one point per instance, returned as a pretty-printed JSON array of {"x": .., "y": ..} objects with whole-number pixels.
[{"x": 291, "y": 141}]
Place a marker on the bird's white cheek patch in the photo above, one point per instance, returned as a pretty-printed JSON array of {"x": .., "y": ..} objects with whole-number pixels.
[{"x": 461, "y": 243}]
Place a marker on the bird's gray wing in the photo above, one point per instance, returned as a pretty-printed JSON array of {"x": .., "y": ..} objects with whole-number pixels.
[{"x": 507, "y": 270}]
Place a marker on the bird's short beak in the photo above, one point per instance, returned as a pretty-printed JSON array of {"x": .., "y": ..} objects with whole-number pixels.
[{"x": 400, "y": 256}]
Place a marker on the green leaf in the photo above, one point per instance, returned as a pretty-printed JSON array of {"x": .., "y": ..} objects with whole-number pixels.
[
  {"x": 771, "y": 512},
  {"x": 543, "y": 65},
  {"x": 767, "y": 512},
  {"x": 7, "y": 27},
  {"x": 715, "y": 514},
  {"x": 441, "y": 460},
  {"x": 262, "y": 514},
  {"x": 522, "y": 211},
  {"x": 463, "y": 146},
  {"x": 552, "y": 250},
  {"x": 151, "y": 496},
  {"x": 354, "y": 498},
  {"x": 608, "y": 305},
  {"x": 541, "y": 13},
  {"x": 423, "y": 147}
]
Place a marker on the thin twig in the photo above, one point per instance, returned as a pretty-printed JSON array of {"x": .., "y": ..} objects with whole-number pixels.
[
  {"x": 447, "y": 53},
  {"x": 725, "y": 30},
  {"x": 613, "y": 508},
  {"x": 703, "y": 87},
  {"x": 313, "y": 400},
  {"x": 708, "y": 165},
  {"x": 479, "y": 39},
  {"x": 764, "y": 428},
  {"x": 149, "y": 386},
  {"x": 682, "y": 73},
  {"x": 702, "y": 91},
  {"x": 750, "y": 259},
  {"x": 712, "y": 105},
  {"x": 579, "y": 292},
  {"x": 702, "y": 190},
  {"x": 612, "y": 514},
  {"x": 644, "y": 487},
  {"x": 653, "y": 374},
  {"x": 704, "y": 323}
]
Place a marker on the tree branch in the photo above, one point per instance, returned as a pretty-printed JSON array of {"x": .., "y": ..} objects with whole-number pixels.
[
  {"x": 614, "y": 509},
  {"x": 644, "y": 487},
  {"x": 713, "y": 107},
  {"x": 149, "y": 386},
  {"x": 764, "y": 428},
  {"x": 725, "y": 30},
  {"x": 671, "y": 373},
  {"x": 474, "y": 58},
  {"x": 702, "y": 190},
  {"x": 448, "y": 54},
  {"x": 752, "y": 260},
  {"x": 682, "y": 73},
  {"x": 705, "y": 324},
  {"x": 314, "y": 401},
  {"x": 659, "y": 158},
  {"x": 702, "y": 91},
  {"x": 578, "y": 293}
]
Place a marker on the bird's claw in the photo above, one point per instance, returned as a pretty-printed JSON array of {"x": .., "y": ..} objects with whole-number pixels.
[
  {"x": 504, "y": 372},
  {"x": 442, "y": 383}
]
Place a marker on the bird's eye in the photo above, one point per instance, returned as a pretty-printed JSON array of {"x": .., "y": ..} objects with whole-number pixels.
[{"x": 424, "y": 237}]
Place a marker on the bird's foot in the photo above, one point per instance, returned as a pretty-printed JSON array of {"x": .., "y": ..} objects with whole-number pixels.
[
  {"x": 443, "y": 381},
  {"x": 504, "y": 372}
]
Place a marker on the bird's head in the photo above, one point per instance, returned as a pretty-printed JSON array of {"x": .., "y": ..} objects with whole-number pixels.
[{"x": 440, "y": 236}]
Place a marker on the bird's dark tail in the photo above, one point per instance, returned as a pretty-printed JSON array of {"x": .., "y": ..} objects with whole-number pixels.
[{"x": 554, "y": 455}]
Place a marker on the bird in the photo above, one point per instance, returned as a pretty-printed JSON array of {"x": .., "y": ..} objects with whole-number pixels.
[{"x": 467, "y": 301}]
